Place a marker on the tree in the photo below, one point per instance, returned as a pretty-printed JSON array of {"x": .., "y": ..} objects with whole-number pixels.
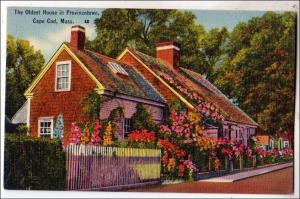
[
  {"x": 22, "y": 64},
  {"x": 259, "y": 70},
  {"x": 143, "y": 28}
]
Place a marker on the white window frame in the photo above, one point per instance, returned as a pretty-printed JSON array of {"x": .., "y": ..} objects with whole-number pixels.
[
  {"x": 69, "y": 62},
  {"x": 45, "y": 119},
  {"x": 271, "y": 143},
  {"x": 124, "y": 132}
]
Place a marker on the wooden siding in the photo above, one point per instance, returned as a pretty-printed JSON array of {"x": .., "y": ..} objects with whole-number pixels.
[{"x": 46, "y": 102}]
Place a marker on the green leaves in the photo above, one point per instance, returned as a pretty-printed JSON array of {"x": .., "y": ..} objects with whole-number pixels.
[
  {"x": 143, "y": 28},
  {"x": 259, "y": 70},
  {"x": 23, "y": 64},
  {"x": 142, "y": 119},
  {"x": 33, "y": 163}
]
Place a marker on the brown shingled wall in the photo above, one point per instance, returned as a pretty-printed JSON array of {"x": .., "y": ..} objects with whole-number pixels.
[{"x": 47, "y": 103}]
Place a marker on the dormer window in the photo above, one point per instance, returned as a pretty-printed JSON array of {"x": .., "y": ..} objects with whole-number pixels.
[
  {"x": 63, "y": 76},
  {"x": 117, "y": 68}
]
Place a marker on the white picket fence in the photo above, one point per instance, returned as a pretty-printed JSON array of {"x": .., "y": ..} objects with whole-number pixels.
[{"x": 96, "y": 167}]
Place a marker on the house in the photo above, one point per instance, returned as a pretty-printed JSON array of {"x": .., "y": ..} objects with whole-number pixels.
[
  {"x": 283, "y": 143},
  {"x": 72, "y": 74},
  {"x": 237, "y": 125},
  {"x": 134, "y": 77},
  {"x": 266, "y": 141}
]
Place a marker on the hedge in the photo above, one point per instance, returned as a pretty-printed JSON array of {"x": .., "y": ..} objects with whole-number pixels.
[{"x": 33, "y": 163}]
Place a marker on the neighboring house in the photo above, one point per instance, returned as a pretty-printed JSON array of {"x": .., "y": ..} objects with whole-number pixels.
[
  {"x": 283, "y": 143},
  {"x": 21, "y": 115},
  {"x": 237, "y": 126},
  {"x": 74, "y": 71},
  {"x": 266, "y": 141}
]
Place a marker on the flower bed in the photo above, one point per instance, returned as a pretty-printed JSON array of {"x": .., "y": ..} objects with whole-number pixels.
[{"x": 186, "y": 151}]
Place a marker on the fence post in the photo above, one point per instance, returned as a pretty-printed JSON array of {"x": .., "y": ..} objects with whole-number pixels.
[
  {"x": 254, "y": 161},
  {"x": 209, "y": 166},
  {"x": 241, "y": 162},
  {"x": 231, "y": 165},
  {"x": 226, "y": 164}
]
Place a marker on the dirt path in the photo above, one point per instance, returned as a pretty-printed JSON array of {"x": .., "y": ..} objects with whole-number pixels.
[{"x": 277, "y": 182}]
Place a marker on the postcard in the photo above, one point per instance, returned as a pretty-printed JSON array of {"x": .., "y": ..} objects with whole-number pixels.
[{"x": 140, "y": 100}]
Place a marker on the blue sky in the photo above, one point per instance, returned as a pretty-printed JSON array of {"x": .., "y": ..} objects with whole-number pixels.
[{"x": 48, "y": 37}]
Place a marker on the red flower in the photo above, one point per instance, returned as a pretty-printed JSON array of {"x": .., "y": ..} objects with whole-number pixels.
[
  {"x": 141, "y": 136},
  {"x": 181, "y": 170}
]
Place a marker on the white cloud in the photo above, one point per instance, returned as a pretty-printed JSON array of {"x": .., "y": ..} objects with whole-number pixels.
[
  {"x": 54, "y": 39},
  {"x": 60, "y": 36},
  {"x": 42, "y": 45}
]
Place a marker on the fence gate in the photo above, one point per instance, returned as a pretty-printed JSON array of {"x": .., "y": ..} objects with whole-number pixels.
[{"x": 100, "y": 168}]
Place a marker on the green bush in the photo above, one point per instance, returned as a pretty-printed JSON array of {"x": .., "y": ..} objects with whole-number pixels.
[
  {"x": 142, "y": 119},
  {"x": 33, "y": 163}
]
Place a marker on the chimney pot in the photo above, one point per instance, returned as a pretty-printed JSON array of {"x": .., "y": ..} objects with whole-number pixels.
[
  {"x": 169, "y": 52},
  {"x": 78, "y": 37}
]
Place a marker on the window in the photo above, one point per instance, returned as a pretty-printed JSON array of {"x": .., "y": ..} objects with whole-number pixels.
[
  {"x": 127, "y": 126},
  {"x": 46, "y": 127},
  {"x": 117, "y": 68},
  {"x": 63, "y": 76},
  {"x": 226, "y": 133}
]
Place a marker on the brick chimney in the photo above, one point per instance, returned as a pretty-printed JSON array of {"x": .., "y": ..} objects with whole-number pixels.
[
  {"x": 169, "y": 52},
  {"x": 78, "y": 37}
]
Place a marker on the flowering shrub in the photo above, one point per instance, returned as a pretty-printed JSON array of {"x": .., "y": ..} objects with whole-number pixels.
[
  {"x": 239, "y": 150},
  {"x": 142, "y": 139},
  {"x": 174, "y": 161},
  {"x": 261, "y": 152},
  {"x": 223, "y": 148},
  {"x": 286, "y": 154},
  {"x": 141, "y": 136},
  {"x": 180, "y": 128},
  {"x": 202, "y": 106}
]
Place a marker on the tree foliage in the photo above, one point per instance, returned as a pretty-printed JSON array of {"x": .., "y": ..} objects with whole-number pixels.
[
  {"x": 143, "y": 28},
  {"x": 259, "y": 70},
  {"x": 22, "y": 64}
]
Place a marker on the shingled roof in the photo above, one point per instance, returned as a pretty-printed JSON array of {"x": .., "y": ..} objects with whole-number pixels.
[
  {"x": 202, "y": 86},
  {"x": 135, "y": 84}
]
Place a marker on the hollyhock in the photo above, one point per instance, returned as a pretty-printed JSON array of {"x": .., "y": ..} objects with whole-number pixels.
[
  {"x": 85, "y": 138},
  {"x": 75, "y": 134},
  {"x": 96, "y": 133},
  {"x": 107, "y": 138}
]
